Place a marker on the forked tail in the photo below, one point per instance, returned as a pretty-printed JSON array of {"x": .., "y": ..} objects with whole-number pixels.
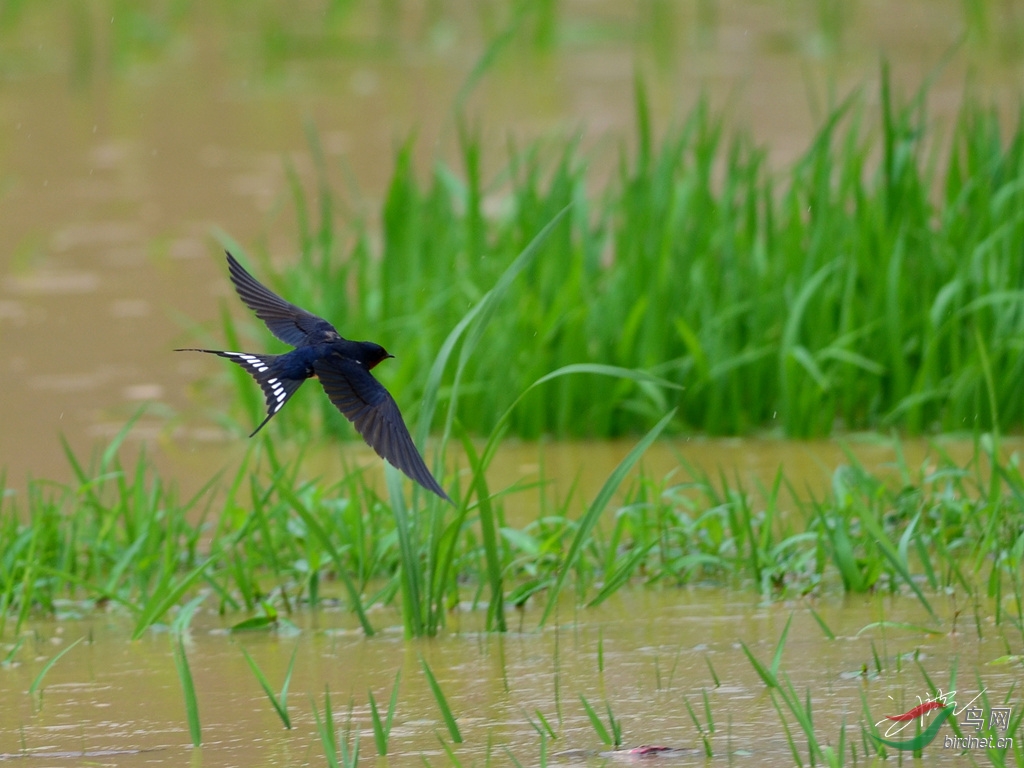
[{"x": 276, "y": 389}]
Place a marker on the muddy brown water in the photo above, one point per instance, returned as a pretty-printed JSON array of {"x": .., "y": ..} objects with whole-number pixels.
[
  {"x": 112, "y": 695},
  {"x": 115, "y": 170}
]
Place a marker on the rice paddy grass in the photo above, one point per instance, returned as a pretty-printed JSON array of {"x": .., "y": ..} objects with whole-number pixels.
[
  {"x": 876, "y": 283},
  {"x": 120, "y": 539}
]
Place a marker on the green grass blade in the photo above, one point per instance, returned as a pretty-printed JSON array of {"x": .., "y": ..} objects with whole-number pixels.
[
  {"x": 821, "y": 623},
  {"x": 412, "y": 576},
  {"x": 188, "y": 690},
  {"x": 38, "y": 681},
  {"x": 382, "y": 727},
  {"x": 491, "y": 539},
  {"x": 110, "y": 452},
  {"x": 886, "y": 546},
  {"x": 166, "y": 595},
  {"x": 593, "y": 513},
  {"x": 544, "y": 730},
  {"x": 355, "y": 601},
  {"x": 777, "y": 658},
  {"x": 767, "y": 676},
  {"x": 475, "y": 321},
  {"x": 379, "y": 735},
  {"x": 325, "y": 729},
  {"x": 620, "y": 576},
  {"x": 442, "y": 703},
  {"x": 708, "y": 752},
  {"x": 278, "y": 701},
  {"x": 595, "y": 721}
]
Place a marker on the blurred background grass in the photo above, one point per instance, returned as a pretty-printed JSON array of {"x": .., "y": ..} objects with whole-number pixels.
[
  {"x": 875, "y": 284},
  {"x": 804, "y": 213}
]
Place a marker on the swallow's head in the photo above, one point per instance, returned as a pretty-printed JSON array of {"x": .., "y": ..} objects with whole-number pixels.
[{"x": 373, "y": 354}]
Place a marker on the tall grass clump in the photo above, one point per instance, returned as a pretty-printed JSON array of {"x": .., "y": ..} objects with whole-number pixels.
[
  {"x": 114, "y": 534},
  {"x": 286, "y": 543},
  {"x": 870, "y": 284}
]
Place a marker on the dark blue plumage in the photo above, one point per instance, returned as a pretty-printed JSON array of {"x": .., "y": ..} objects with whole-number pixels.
[{"x": 342, "y": 366}]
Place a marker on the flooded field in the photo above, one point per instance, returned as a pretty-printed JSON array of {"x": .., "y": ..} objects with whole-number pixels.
[
  {"x": 704, "y": 661},
  {"x": 136, "y": 143},
  {"x": 120, "y": 703}
]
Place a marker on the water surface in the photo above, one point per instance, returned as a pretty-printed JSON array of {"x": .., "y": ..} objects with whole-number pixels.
[{"x": 110, "y": 694}]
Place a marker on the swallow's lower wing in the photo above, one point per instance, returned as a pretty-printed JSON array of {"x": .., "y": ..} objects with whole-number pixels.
[
  {"x": 374, "y": 413},
  {"x": 291, "y": 324}
]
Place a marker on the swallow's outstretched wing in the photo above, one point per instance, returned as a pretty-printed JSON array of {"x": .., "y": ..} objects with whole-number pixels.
[
  {"x": 374, "y": 413},
  {"x": 291, "y": 324}
]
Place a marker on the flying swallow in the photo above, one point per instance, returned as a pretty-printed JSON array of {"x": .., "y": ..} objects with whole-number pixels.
[{"x": 342, "y": 366}]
